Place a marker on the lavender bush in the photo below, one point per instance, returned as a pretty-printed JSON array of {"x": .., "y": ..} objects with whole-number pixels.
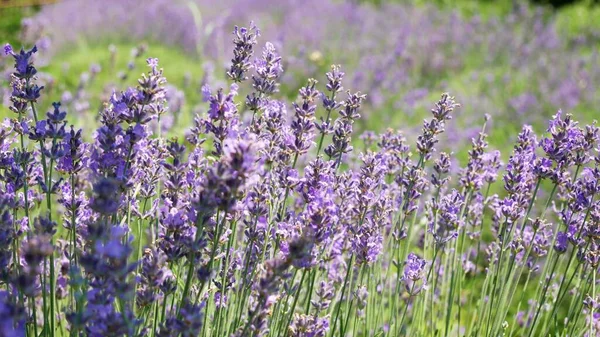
[
  {"x": 266, "y": 220},
  {"x": 515, "y": 68}
]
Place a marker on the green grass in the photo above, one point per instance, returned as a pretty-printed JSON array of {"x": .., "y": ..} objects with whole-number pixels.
[
  {"x": 579, "y": 19},
  {"x": 10, "y": 24},
  {"x": 67, "y": 67}
]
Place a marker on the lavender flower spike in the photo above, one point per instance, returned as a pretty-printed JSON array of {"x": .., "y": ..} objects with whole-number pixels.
[{"x": 414, "y": 277}]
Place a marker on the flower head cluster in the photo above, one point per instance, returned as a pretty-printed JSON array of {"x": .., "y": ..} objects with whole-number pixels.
[
  {"x": 447, "y": 217},
  {"x": 268, "y": 69},
  {"x": 244, "y": 41},
  {"x": 330, "y": 103},
  {"x": 432, "y": 128},
  {"x": 343, "y": 126},
  {"x": 414, "y": 277},
  {"x": 303, "y": 124},
  {"x": 222, "y": 114}
]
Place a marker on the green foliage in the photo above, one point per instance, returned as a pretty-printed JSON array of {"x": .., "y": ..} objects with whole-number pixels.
[
  {"x": 77, "y": 60},
  {"x": 10, "y": 23},
  {"x": 580, "y": 19}
]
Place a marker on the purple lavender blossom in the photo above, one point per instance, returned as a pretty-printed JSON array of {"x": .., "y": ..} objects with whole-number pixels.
[
  {"x": 223, "y": 119},
  {"x": 12, "y": 321},
  {"x": 268, "y": 69},
  {"x": 308, "y": 326},
  {"x": 441, "y": 112},
  {"x": 152, "y": 276},
  {"x": 23, "y": 61},
  {"x": 244, "y": 41},
  {"x": 187, "y": 321},
  {"x": 303, "y": 124},
  {"x": 561, "y": 244},
  {"x": 565, "y": 138},
  {"x": 414, "y": 274},
  {"x": 449, "y": 221},
  {"x": 330, "y": 103},
  {"x": 342, "y": 134}
]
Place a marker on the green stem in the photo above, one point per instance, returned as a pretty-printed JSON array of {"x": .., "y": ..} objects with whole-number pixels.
[
  {"x": 339, "y": 304},
  {"x": 296, "y": 297},
  {"x": 332, "y": 98},
  {"x": 191, "y": 261},
  {"x": 594, "y": 299},
  {"x": 541, "y": 303}
]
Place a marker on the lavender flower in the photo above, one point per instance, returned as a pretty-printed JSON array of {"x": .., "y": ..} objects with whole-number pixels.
[
  {"x": 448, "y": 219},
  {"x": 305, "y": 326},
  {"x": 268, "y": 69},
  {"x": 414, "y": 274},
  {"x": 153, "y": 274},
  {"x": 12, "y": 321},
  {"x": 473, "y": 175},
  {"x": 325, "y": 293},
  {"x": 187, "y": 323},
  {"x": 303, "y": 123},
  {"x": 106, "y": 197},
  {"x": 244, "y": 41},
  {"x": 34, "y": 252},
  {"x": 23, "y": 62},
  {"x": 561, "y": 244},
  {"x": 263, "y": 299},
  {"x": 230, "y": 176},
  {"x": 441, "y": 113},
  {"x": 8, "y": 236},
  {"x": 441, "y": 167},
  {"x": 564, "y": 141},
  {"x": 343, "y": 127},
  {"x": 334, "y": 86},
  {"x": 223, "y": 120}
]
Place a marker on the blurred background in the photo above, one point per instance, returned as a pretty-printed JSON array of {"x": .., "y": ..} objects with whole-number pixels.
[{"x": 517, "y": 61}]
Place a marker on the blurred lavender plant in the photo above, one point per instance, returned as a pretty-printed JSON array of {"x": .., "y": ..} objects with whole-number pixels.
[
  {"x": 248, "y": 230},
  {"x": 416, "y": 56}
]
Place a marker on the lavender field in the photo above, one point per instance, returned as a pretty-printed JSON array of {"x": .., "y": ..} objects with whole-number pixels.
[{"x": 299, "y": 169}]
